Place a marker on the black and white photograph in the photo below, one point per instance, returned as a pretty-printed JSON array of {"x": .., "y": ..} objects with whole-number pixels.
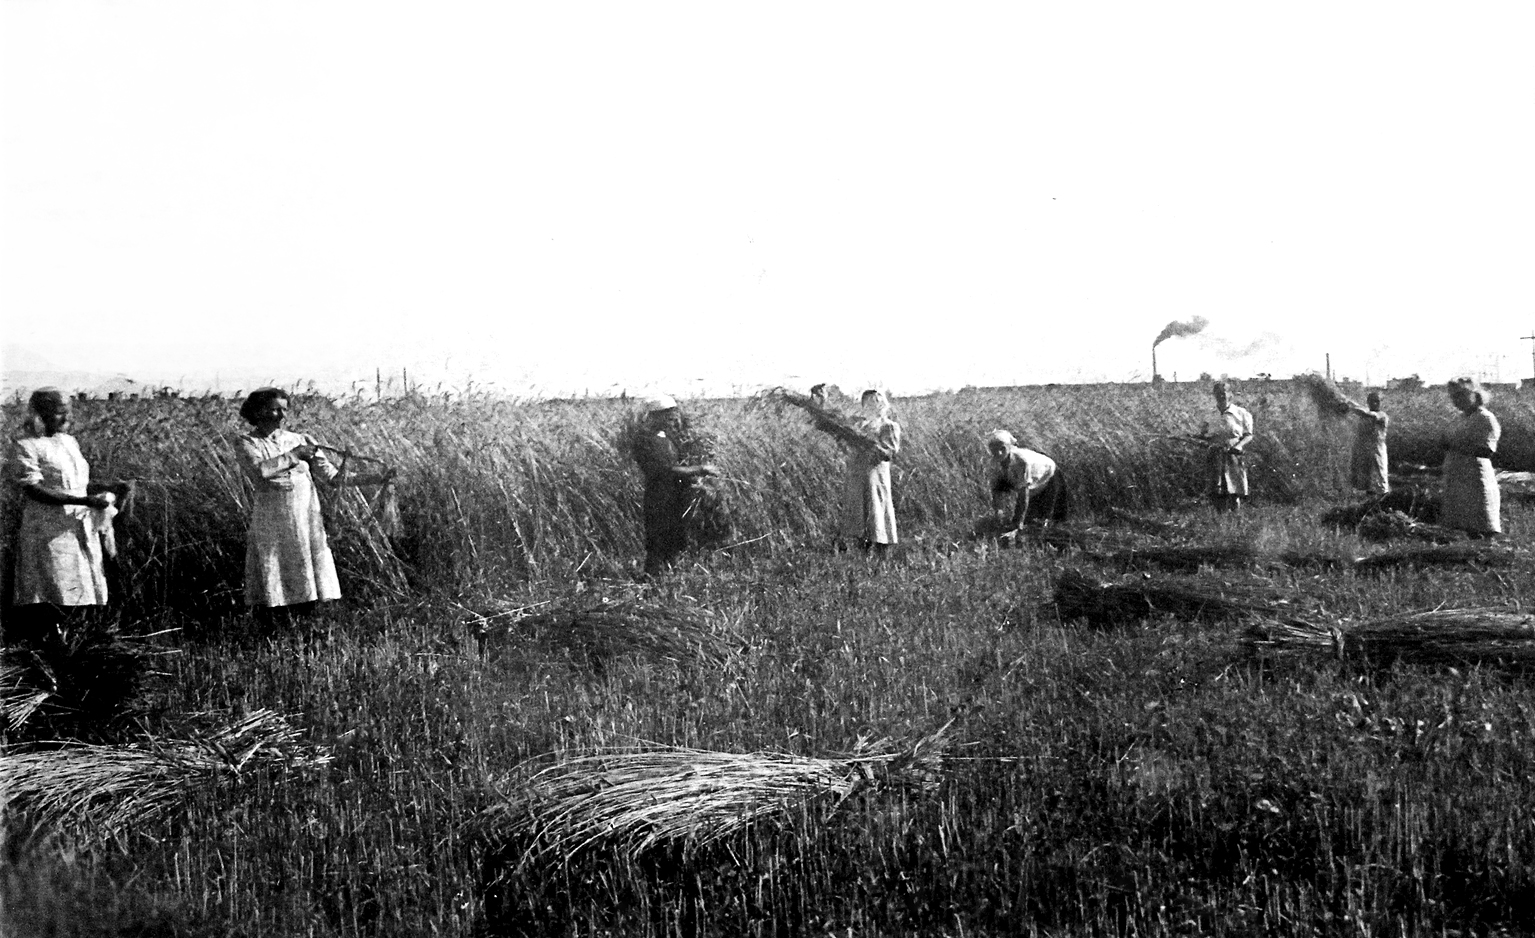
[{"x": 705, "y": 469}]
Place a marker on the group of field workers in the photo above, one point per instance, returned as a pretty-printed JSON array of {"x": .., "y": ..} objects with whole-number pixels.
[
  {"x": 1471, "y": 501},
  {"x": 63, "y": 530},
  {"x": 59, "y": 538}
]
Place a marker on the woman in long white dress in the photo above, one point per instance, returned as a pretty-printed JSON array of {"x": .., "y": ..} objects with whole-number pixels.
[
  {"x": 288, "y": 561},
  {"x": 868, "y": 509},
  {"x": 58, "y": 545},
  {"x": 1472, "y": 502}
]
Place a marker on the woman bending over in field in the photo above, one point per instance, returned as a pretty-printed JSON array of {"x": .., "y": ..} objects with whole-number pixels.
[
  {"x": 64, "y": 521},
  {"x": 1028, "y": 482},
  {"x": 288, "y": 563},
  {"x": 1472, "y": 502},
  {"x": 868, "y": 510}
]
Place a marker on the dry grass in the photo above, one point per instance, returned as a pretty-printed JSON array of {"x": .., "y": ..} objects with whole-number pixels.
[
  {"x": 1329, "y": 399},
  {"x": 1479, "y": 554},
  {"x": 1082, "y": 596},
  {"x": 632, "y": 802},
  {"x": 827, "y": 418},
  {"x": 1469, "y": 636},
  {"x": 80, "y": 682},
  {"x": 107, "y": 791},
  {"x": 622, "y": 621},
  {"x": 1391, "y": 525},
  {"x": 1415, "y": 501}
]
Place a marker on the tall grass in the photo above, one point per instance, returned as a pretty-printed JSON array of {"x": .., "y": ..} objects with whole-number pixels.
[{"x": 492, "y": 489}]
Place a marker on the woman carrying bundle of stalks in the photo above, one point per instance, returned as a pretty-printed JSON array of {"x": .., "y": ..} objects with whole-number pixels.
[
  {"x": 65, "y": 525},
  {"x": 668, "y": 483},
  {"x": 1227, "y": 448},
  {"x": 288, "y": 563},
  {"x": 1029, "y": 481},
  {"x": 1471, "y": 499},
  {"x": 1368, "y": 470},
  {"x": 868, "y": 509}
]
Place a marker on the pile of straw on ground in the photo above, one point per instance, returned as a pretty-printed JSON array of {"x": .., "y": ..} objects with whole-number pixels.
[
  {"x": 1416, "y": 502},
  {"x": 631, "y": 802},
  {"x": 1080, "y": 596},
  {"x": 1472, "y": 636},
  {"x": 1393, "y": 525},
  {"x": 79, "y": 682},
  {"x": 106, "y": 791},
  {"x": 1465, "y": 553},
  {"x": 1517, "y": 486},
  {"x": 631, "y": 622}
]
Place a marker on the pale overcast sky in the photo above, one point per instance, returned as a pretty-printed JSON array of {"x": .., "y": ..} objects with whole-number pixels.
[{"x": 705, "y": 196}]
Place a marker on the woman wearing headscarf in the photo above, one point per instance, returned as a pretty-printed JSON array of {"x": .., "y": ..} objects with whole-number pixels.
[
  {"x": 667, "y": 482},
  {"x": 1227, "y": 444},
  {"x": 1471, "y": 498},
  {"x": 288, "y": 563},
  {"x": 868, "y": 510},
  {"x": 63, "y": 518},
  {"x": 1028, "y": 482},
  {"x": 1368, "y": 470}
]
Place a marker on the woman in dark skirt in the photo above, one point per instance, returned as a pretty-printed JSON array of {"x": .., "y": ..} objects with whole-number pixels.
[{"x": 667, "y": 483}]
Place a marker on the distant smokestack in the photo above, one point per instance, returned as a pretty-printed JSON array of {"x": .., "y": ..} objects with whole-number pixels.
[{"x": 1176, "y": 329}]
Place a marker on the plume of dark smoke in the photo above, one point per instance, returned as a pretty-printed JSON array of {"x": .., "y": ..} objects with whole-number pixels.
[{"x": 1176, "y": 329}]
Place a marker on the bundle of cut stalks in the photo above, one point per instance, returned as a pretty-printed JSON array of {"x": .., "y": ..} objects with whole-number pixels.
[
  {"x": 1443, "y": 636},
  {"x": 633, "y": 802},
  {"x": 1130, "y": 599},
  {"x": 21, "y": 697},
  {"x": 105, "y": 791},
  {"x": 1517, "y": 486},
  {"x": 1187, "y": 557},
  {"x": 1465, "y": 553},
  {"x": 1328, "y": 399},
  {"x": 76, "y": 683},
  {"x": 611, "y": 626},
  {"x": 1388, "y": 525},
  {"x": 1413, "y": 501},
  {"x": 827, "y": 418}
]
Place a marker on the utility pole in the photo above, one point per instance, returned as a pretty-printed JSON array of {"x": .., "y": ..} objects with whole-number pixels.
[{"x": 1530, "y": 338}]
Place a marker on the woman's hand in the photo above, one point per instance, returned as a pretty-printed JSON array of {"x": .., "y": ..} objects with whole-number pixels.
[
  {"x": 304, "y": 450},
  {"x": 100, "y": 500}
]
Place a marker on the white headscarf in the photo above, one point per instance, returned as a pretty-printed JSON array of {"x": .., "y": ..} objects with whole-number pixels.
[{"x": 659, "y": 402}]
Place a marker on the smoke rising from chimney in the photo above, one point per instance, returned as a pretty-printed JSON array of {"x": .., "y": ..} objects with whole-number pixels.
[{"x": 1177, "y": 329}]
